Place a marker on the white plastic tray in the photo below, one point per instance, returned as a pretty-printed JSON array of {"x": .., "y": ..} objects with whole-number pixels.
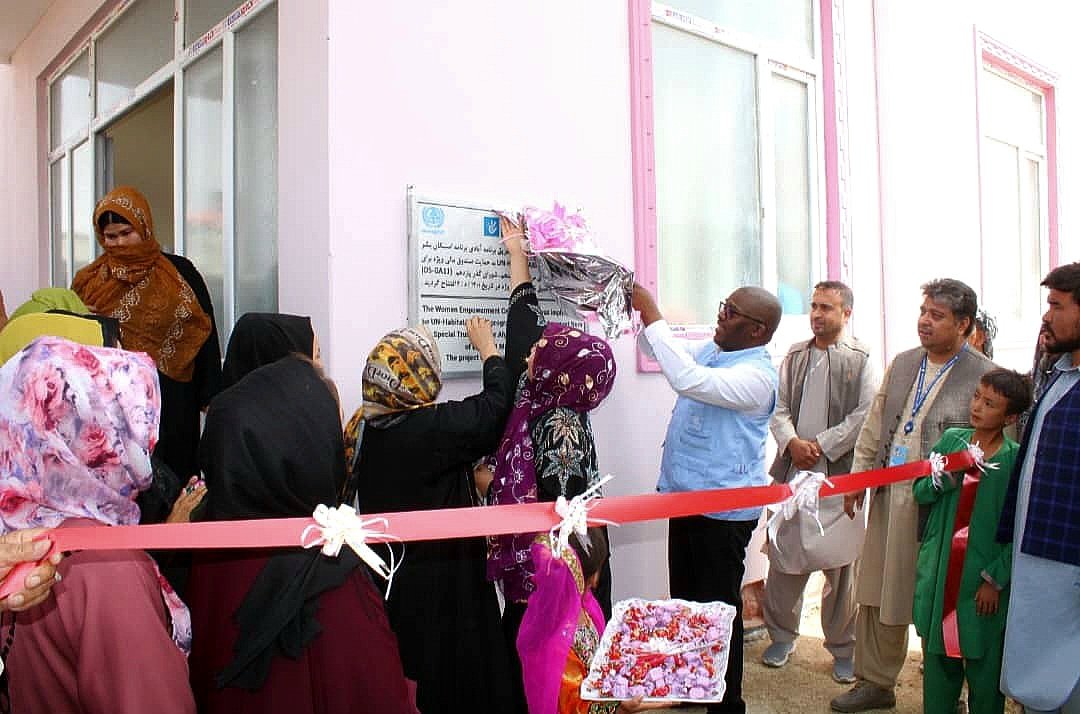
[{"x": 724, "y": 613}]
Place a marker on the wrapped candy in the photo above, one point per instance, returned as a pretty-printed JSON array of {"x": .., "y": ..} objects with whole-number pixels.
[
  {"x": 662, "y": 650},
  {"x": 572, "y": 267}
]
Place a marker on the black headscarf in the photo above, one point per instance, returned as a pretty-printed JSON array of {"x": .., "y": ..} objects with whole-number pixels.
[
  {"x": 260, "y": 338},
  {"x": 272, "y": 448}
]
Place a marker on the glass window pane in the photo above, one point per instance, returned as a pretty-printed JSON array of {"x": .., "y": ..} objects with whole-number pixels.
[
  {"x": 1003, "y": 275},
  {"x": 1030, "y": 238},
  {"x": 788, "y": 23},
  {"x": 794, "y": 254},
  {"x": 59, "y": 205},
  {"x": 202, "y": 174},
  {"x": 201, "y": 15},
  {"x": 138, "y": 151},
  {"x": 708, "y": 216},
  {"x": 1011, "y": 111},
  {"x": 83, "y": 205},
  {"x": 69, "y": 101},
  {"x": 138, "y": 44},
  {"x": 256, "y": 164}
]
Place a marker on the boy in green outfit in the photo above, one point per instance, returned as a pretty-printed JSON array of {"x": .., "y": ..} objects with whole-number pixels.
[{"x": 962, "y": 580}]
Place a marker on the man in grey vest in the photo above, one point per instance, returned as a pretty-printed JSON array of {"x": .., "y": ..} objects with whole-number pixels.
[
  {"x": 826, "y": 386},
  {"x": 925, "y": 391}
]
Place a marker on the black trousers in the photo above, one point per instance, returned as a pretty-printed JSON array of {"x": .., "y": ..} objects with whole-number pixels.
[{"x": 706, "y": 562}]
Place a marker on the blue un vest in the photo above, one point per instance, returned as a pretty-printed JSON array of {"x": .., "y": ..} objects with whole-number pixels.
[{"x": 714, "y": 447}]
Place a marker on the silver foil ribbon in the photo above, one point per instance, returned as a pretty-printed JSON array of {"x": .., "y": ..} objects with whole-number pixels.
[{"x": 588, "y": 283}]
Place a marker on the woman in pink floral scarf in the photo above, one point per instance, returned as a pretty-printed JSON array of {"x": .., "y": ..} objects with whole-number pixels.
[{"x": 77, "y": 425}]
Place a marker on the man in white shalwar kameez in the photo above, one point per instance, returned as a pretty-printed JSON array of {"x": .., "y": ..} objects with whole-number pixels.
[{"x": 827, "y": 384}]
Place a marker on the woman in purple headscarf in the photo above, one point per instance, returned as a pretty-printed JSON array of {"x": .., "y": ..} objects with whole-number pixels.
[{"x": 547, "y": 449}]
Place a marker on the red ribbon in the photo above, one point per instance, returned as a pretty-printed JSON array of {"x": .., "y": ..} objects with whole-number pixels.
[
  {"x": 950, "y": 626},
  {"x": 479, "y": 521},
  {"x": 456, "y": 522}
]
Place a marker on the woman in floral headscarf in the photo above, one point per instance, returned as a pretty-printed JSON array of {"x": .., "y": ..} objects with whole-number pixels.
[
  {"x": 164, "y": 310},
  {"x": 409, "y": 453},
  {"x": 77, "y": 425}
]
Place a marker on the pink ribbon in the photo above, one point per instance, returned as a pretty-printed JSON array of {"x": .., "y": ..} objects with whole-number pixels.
[{"x": 447, "y": 523}]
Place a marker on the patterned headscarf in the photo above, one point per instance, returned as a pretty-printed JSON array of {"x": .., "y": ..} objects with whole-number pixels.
[
  {"x": 403, "y": 372},
  {"x": 158, "y": 311},
  {"x": 77, "y": 425},
  {"x": 551, "y": 620},
  {"x": 571, "y": 369}
]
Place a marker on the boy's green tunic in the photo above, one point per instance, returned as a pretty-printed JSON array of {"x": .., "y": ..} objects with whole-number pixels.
[{"x": 978, "y": 633}]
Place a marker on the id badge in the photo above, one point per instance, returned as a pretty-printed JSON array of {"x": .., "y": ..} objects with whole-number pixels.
[{"x": 898, "y": 455}]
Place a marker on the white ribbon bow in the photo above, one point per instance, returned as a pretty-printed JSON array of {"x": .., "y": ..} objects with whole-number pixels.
[
  {"x": 937, "y": 469},
  {"x": 937, "y": 464},
  {"x": 575, "y": 518},
  {"x": 340, "y": 526},
  {"x": 804, "y": 486},
  {"x": 980, "y": 457}
]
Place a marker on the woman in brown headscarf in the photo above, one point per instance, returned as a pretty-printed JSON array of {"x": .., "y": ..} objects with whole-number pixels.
[{"x": 164, "y": 310}]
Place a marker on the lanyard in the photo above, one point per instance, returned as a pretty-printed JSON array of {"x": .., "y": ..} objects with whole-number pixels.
[{"x": 920, "y": 395}]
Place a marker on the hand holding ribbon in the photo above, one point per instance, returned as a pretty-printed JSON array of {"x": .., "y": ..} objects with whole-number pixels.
[
  {"x": 979, "y": 457},
  {"x": 805, "y": 487},
  {"x": 937, "y": 469},
  {"x": 937, "y": 464}
]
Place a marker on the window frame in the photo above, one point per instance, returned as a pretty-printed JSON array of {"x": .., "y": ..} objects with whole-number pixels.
[
  {"x": 221, "y": 34},
  {"x": 823, "y": 165},
  {"x": 992, "y": 55}
]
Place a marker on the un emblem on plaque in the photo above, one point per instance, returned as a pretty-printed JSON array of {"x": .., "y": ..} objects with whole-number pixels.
[{"x": 433, "y": 216}]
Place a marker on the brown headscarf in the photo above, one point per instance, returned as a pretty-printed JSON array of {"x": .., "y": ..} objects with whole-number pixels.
[
  {"x": 403, "y": 372},
  {"x": 158, "y": 311}
]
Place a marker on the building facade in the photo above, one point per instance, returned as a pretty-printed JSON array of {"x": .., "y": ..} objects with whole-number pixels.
[{"x": 711, "y": 144}]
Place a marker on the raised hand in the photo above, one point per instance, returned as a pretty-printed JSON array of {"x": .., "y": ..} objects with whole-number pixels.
[{"x": 481, "y": 336}]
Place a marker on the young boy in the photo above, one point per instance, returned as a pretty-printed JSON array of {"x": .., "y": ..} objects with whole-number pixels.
[{"x": 962, "y": 580}]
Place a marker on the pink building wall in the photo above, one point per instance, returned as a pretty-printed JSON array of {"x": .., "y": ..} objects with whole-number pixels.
[
  {"x": 502, "y": 103},
  {"x": 23, "y": 123},
  {"x": 929, "y": 141}
]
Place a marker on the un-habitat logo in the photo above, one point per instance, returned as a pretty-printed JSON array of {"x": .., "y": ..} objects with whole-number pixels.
[{"x": 433, "y": 216}]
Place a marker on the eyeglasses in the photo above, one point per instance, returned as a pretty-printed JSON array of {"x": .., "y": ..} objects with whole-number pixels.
[{"x": 729, "y": 309}]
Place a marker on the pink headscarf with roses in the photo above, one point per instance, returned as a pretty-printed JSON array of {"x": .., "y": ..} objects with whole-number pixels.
[
  {"x": 571, "y": 369},
  {"x": 77, "y": 425}
]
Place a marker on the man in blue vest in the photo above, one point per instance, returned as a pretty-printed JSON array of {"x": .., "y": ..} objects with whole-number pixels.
[
  {"x": 716, "y": 439},
  {"x": 1041, "y": 518}
]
